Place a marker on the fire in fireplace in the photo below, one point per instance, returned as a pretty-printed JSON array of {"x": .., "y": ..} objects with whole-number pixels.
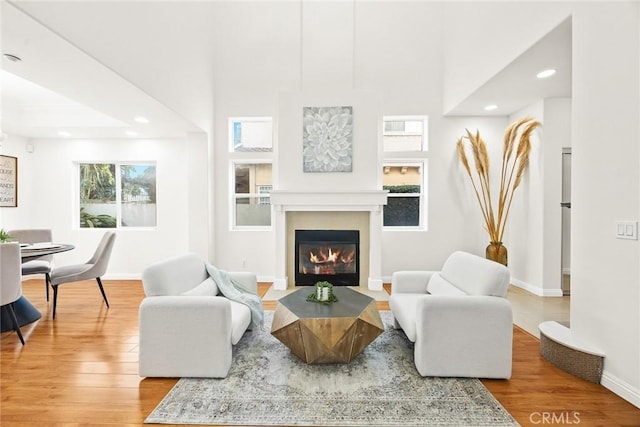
[{"x": 327, "y": 255}]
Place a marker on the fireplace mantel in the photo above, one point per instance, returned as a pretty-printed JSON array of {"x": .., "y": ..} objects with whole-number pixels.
[
  {"x": 371, "y": 201},
  {"x": 329, "y": 201}
]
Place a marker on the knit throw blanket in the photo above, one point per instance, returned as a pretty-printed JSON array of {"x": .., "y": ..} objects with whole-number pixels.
[{"x": 231, "y": 289}]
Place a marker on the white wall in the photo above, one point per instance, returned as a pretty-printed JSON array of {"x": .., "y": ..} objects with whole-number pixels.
[
  {"x": 396, "y": 71},
  {"x": 556, "y": 135},
  {"x": 534, "y": 228},
  {"x": 47, "y": 197},
  {"x": 256, "y": 58},
  {"x": 605, "y": 272},
  {"x": 524, "y": 238}
]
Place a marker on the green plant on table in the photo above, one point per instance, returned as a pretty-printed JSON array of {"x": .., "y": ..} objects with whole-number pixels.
[
  {"x": 5, "y": 237},
  {"x": 323, "y": 293}
]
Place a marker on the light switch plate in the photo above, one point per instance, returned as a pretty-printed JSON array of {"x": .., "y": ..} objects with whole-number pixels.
[{"x": 627, "y": 230}]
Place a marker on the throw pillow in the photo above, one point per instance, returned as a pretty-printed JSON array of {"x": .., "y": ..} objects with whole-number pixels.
[
  {"x": 207, "y": 288},
  {"x": 438, "y": 285}
]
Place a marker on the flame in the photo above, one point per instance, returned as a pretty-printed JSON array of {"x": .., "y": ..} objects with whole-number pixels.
[
  {"x": 325, "y": 257},
  {"x": 347, "y": 259}
]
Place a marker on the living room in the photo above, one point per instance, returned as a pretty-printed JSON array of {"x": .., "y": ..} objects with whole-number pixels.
[{"x": 201, "y": 64}]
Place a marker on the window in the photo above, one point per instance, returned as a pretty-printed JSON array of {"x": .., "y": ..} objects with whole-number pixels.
[
  {"x": 405, "y": 145},
  {"x": 250, "y": 179},
  {"x": 114, "y": 195},
  {"x": 405, "y": 133},
  {"x": 252, "y": 184},
  {"x": 404, "y": 203},
  {"x": 250, "y": 134},
  {"x": 265, "y": 189}
]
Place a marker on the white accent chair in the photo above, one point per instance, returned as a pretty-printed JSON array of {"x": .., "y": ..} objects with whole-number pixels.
[
  {"x": 186, "y": 328},
  {"x": 458, "y": 318}
]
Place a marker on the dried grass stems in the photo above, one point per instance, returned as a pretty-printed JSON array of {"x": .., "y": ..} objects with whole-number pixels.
[{"x": 515, "y": 159}]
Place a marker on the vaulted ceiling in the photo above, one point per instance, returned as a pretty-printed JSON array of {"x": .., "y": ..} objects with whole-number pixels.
[{"x": 91, "y": 68}]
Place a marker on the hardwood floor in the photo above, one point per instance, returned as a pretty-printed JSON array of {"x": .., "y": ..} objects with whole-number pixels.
[{"x": 81, "y": 369}]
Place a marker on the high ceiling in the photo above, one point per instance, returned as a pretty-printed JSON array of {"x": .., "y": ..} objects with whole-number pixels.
[
  {"x": 59, "y": 87},
  {"x": 90, "y": 68},
  {"x": 517, "y": 86}
]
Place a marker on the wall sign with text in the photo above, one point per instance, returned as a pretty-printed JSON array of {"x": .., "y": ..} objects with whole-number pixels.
[{"x": 8, "y": 181}]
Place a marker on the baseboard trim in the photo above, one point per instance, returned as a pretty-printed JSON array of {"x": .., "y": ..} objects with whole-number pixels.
[
  {"x": 266, "y": 279},
  {"x": 374, "y": 284},
  {"x": 280, "y": 284},
  {"x": 536, "y": 290},
  {"x": 124, "y": 276},
  {"x": 621, "y": 388}
]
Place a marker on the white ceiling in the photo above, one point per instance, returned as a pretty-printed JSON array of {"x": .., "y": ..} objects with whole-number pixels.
[
  {"x": 70, "y": 90},
  {"x": 516, "y": 86},
  {"x": 89, "y": 68}
]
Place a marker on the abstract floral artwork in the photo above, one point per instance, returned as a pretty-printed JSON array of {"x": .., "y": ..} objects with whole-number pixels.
[{"x": 327, "y": 140}]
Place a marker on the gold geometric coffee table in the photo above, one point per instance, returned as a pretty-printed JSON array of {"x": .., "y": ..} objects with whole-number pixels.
[{"x": 332, "y": 333}]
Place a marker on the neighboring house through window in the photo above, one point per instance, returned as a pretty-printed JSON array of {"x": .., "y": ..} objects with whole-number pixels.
[
  {"x": 251, "y": 178},
  {"x": 250, "y": 134},
  {"x": 404, "y": 167}
]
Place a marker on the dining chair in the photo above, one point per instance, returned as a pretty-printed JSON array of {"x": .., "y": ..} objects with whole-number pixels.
[
  {"x": 10, "y": 281},
  {"x": 92, "y": 269},
  {"x": 42, "y": 265}
]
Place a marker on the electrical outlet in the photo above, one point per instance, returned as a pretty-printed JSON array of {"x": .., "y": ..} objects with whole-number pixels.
[
  {"x": 627, "y": 230},
  {"x": 244, "y": 263}
]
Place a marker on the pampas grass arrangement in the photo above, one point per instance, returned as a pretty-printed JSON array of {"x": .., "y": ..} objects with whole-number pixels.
[{"x": 515, "y": 159}]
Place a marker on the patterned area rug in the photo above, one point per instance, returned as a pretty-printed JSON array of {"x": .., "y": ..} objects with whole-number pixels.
[{"x": 269, "y": 385}]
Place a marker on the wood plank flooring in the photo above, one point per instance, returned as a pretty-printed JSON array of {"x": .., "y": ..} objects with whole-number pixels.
[{"x": 81, "y": 369}]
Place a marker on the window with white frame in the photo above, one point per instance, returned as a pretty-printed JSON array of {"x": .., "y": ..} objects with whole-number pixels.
[
  {"x": 405, "y": 134},
  {"x": 405, "y": 147},
  {"x": 117, "y": 195},
  {"x": 250, "y": 134},
  {"x": 252, "y": 183},
  {"x": 404, "y": 181}
]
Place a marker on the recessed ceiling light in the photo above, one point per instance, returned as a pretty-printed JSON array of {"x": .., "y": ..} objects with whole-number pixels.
[
  {"x": 64, "y": 133},
  {"x": 491, "y": 107},
  {"x": 12, "y": 58},
  {"x": 546, "y": 73},
  {"x": 131, "y": 133},
  {"x": 141, "y": 119}
]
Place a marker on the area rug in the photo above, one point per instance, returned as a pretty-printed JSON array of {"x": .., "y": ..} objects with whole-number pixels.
[{"x": 269, "y": 385}]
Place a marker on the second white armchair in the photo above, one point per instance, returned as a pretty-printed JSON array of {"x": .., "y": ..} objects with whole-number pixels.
[{"x": 458, "y": 318}]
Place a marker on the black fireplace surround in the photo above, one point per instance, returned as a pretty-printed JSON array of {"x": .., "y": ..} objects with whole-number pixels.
[{"x": 327, "y": 255}]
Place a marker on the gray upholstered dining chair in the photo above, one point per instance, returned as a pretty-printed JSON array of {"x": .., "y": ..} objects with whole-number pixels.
[
  {"x": 92, "y": 269},
  {"x": 42, "y": 265},
  {"x": 10, "y": 281}
]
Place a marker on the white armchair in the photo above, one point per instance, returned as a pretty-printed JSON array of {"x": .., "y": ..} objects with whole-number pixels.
[
  {"x": 458, "y": 318},
  {"x": 186, "y": 328}
]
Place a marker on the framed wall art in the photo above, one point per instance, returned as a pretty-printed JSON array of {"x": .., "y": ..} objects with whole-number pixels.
[
  {"x": 8, "y": 181},
  {"x": 327, "y": 139}
]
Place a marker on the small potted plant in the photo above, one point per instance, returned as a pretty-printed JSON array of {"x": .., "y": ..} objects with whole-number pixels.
[
  {"x": 323, "y": 293},
  {"x": 5, "y": 237}
]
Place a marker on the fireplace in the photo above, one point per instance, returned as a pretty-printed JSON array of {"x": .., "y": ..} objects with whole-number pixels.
[{"x": 327, "y": 255}]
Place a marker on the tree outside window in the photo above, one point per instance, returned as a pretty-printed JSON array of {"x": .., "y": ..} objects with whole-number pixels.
[{"x": 117, "y": 195}]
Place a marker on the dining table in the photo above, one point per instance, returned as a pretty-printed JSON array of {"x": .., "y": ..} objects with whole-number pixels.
[{"x": 25, "y": 311}]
